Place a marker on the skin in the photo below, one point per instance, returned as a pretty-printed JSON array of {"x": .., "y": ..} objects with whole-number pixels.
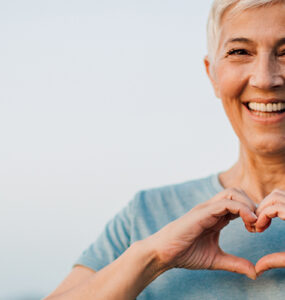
[{"x": 254, "y": 69}]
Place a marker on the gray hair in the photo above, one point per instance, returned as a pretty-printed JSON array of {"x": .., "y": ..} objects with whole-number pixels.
[{"x": 216, "y": 13}]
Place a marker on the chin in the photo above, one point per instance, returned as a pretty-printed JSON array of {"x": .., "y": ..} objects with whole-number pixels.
[{"x": 268, "y": 147}]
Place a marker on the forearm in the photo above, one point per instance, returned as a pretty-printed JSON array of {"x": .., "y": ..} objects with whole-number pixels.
[{"x": 123, "y": 279}]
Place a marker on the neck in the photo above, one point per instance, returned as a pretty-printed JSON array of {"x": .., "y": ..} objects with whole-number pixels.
[{"x": 257, "y": 175}]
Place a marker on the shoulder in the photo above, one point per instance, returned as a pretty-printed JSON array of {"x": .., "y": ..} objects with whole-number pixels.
[
  {"x": 168, "y": 202},
  {"x": 201, "y": 187}
]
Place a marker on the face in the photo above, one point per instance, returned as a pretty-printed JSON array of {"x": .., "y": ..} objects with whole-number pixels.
[{"x": 248, "y": 75}]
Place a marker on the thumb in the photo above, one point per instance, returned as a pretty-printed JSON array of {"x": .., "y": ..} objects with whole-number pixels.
[
  {"x": 231, "y": 263},
  {"x": 270, "y": 261}
]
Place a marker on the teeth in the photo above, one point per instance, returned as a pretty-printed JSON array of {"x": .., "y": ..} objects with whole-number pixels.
[{"x": 266, "y": 107}]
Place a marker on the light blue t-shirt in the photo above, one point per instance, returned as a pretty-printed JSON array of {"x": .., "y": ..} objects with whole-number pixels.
[{"x": 152, "y": 209}]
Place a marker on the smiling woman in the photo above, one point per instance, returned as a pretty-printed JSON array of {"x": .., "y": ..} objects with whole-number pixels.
[
  {"x": 248, "y": 76},
  {"x": 167, "y": 243}
]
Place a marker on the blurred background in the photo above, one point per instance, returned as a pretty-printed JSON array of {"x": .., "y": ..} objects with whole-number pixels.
[{"x": 99, "y": 99}]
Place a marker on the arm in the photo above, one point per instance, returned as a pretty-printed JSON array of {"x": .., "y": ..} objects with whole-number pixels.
[
  {"x": 123, "y": 279},
  {"x": 190, "y": 242}
]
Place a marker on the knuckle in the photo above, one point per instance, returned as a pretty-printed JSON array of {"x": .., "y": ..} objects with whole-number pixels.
[
  {"x": 230, "y": 192},
  {"x": 274, "y": 201},
  {"x": 277, "y": 191},
  {"x": 217, "y": 205},
  {"x": 223, "y": 202}
]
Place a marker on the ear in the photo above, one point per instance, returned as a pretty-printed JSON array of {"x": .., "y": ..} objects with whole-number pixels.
[{"x": 210, "y": 73}]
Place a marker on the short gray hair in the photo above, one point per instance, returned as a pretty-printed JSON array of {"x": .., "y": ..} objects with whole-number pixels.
[{"x": 218, "y": 9}]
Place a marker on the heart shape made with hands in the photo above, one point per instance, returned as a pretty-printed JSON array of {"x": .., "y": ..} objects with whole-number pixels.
[{"x": 270, "y": 207}]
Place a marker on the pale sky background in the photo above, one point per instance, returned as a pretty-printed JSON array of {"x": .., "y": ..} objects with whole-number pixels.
[{"x": 99, "y": 99}]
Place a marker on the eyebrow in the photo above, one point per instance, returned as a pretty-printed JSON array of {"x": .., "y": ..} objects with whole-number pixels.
[
  {"x": 240, "y": 40},
  {"x": 280, "y": 42}
]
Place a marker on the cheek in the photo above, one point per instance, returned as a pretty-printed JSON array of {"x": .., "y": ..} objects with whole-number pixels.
[{"x": 231, "y": 82}]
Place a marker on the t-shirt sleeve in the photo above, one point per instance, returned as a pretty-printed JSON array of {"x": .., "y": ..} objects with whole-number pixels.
[{"x": 111, "y": 243}]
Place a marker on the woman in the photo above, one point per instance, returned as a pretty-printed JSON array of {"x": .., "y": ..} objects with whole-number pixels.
[{"x": 167, "y": 243}]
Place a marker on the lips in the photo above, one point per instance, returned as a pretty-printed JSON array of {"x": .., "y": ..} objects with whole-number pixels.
[
  {"x": 265, "y": 117},
  {"x": 266, "y": 107},
  {"x": 265, "y": 100}
]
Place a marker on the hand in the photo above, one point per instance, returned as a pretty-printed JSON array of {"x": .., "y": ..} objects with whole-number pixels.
[
  {"x": 272, "y": 206},
  {"x": 192, "y": 241}
]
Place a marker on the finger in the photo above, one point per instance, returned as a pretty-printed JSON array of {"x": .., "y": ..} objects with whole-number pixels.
[
  {"x": 250, "y": 227},
  {"x": 270, "y": 261},
  {"x": 268, "y": 213},
  {"x": 231, "y": 263},
  {"x": 236, "y": 195},
  {"x": 236, "y": 208},
  {"x": 261, "y": 229},
  {"x": 275, "y": 197},
  {"x": 207, "y": 215},
  {"x": 231, "y": 207}
]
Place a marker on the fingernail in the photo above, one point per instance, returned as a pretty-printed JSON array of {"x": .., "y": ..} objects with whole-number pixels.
[
  {"x": 253, "y": 277},
  {"x": 253, "y": 214}
]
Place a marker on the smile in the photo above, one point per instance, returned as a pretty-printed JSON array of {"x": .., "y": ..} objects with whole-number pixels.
[
  {"x": 266, "y": 113},
  {"x": 269, "y": 107}
]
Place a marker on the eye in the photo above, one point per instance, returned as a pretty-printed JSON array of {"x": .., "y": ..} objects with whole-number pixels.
[
  {"x": 281, "y": 53},
  {"x": 239, "y": 52}
]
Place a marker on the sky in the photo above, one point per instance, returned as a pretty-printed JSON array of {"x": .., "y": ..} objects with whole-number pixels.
[{"x": 99, "y": 99}]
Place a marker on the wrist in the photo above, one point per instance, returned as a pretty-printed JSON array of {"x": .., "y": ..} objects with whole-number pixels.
[{"x": 149, "y": 257}]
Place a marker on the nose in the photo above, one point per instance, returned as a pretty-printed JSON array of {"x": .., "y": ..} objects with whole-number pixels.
[{"x": 266, "y": 73}]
